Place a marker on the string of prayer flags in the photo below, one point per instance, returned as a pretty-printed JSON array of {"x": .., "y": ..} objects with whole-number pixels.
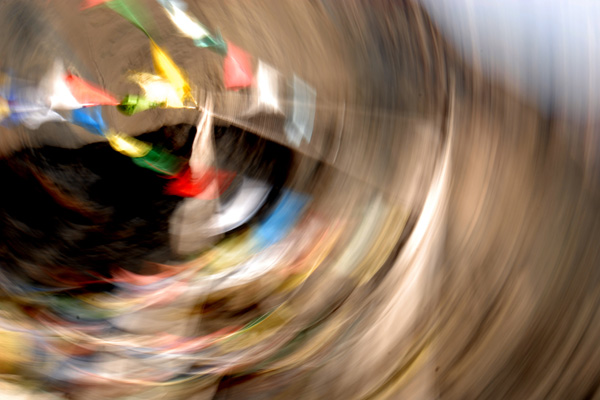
[
  {"x": 237, "y": 69},
  {"x": 144, "y": 154},
  {"x": 300, "y": 125},
  {"x": 89, "y": 118},
  {"x": 157, "y": 90},
  {"x": 133, "y": 104},
  {"x": 87, "y": 94},
  {"x": 167, "y": 69}
]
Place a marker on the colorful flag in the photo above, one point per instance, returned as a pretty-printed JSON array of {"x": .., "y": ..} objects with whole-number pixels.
[
  {"x": 192, "y": 28},
  {"x": 167, "y": 69},
  {"x": 131, "y": 11},
  {"x": 282, "y": 219},
  {"x": 266, "y": 90},
  {"x": 159, "y": 161},
  {"x": 215, "y": 43},
  {"x": 186, "y": 185},
  {"x": 55, "y": 85},
  {"x": 237, "y": 68},
  {"x": 187, "y": 24},
  {"x": 128, "y": 145},
  {"x": 87, "y": 94},
  {"x": 89, "y": 118},
  {"x": 133, "y": 104},
  {"x": 300, "y": 125},
  {"x": 4, "y": 108},
  {"x": 158, "y": 90},
  {"x": 92, "y": 3}
]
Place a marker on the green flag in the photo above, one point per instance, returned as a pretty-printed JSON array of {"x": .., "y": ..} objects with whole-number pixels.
[
  {"x": 133, "y": 104},
  {"x": 132, "y": 11},
  {"x": 160, "y": 161}
]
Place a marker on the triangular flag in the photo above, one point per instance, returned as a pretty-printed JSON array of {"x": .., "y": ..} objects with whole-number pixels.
[
  {"x": 128, "y": 145},
  {"x": 88, "y": 94},
  {"x": 54, "y": 83},
  {"x": 131, "y": 11},
  {"x": 92, "y": 3},
  {"x": 215, "y": 43},
  {"x": 89, "y": 118},
  {"x": 237, "y": 69},
  {"x": 159, "y": 161},
  {"x": 282, "y": 218},
  {"x": 192, "y": 28},
  {"x": 266, "y": 90},
  {"x": 187, "y": 186},
  {"x": 158, "y": 90},
  {"x": 187, "y": 24},
  {"x": 132, "y": 104},
  {"x": 300, "y": 125},
  {"x": 170, "y": 4},
  {"x": 166, "y": 68}
]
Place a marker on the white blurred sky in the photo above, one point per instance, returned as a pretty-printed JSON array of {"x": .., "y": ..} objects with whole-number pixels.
[{"x": 547, "y": 50}]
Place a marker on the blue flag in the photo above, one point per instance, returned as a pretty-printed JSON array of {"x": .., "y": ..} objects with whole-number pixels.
[{"x": 89, "y": 118}]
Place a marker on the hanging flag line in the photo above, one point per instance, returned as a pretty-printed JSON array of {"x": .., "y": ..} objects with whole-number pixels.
[
  {"x": 62, "y": 91},
  {"x": 237, "y": 70}
]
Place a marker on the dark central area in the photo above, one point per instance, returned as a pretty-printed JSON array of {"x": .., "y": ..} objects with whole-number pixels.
[{"x": 68, "y": 216}]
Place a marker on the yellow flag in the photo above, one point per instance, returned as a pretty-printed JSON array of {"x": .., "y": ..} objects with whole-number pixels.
[
  {"x": 4, "y": 108},
  {"x": 128, "y": 145},
  {"x": 158, "y": 90},
  {"x": 166, "y": 68}
]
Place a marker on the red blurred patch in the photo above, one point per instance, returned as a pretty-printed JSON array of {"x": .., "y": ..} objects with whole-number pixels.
[
  {"x": 92, "y": 3},
  {"x": 237, "y": 69},
  {"x": 184, "y": 185},
  {"x": 88, "y": 94}
]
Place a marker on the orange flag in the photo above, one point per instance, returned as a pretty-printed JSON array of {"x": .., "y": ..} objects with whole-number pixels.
[
  {"x": 237, "y": 68},
  {"x": 88, "y": 94}
]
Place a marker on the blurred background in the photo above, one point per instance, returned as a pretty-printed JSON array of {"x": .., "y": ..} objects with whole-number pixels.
[{"x": 432, "y": 234}]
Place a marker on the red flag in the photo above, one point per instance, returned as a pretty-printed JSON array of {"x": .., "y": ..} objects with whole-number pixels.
[
  {"x": 237, "y": 69},
  {"x": 88, "y": 94},
  {"x": 184, "y": 185},
  {"x": 92, "y": 3}
]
